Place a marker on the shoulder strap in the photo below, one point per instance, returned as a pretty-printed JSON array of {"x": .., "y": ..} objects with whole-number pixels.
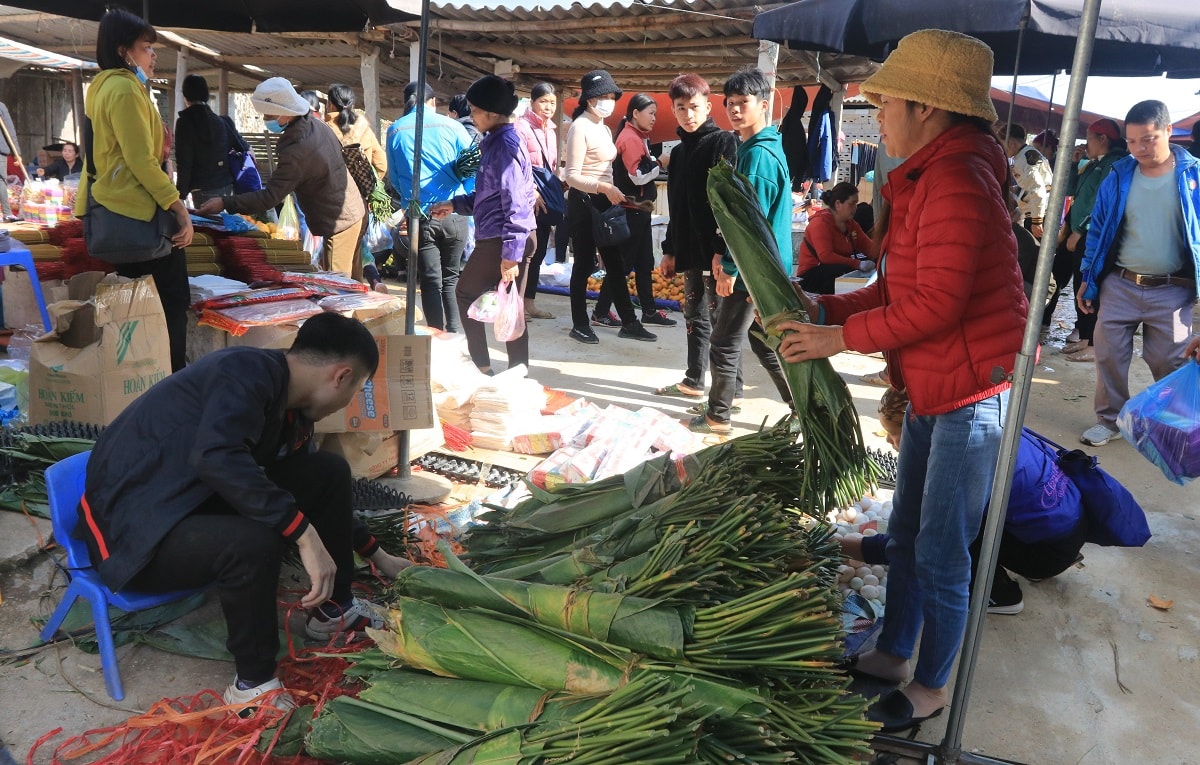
[
  {"x": 1057, "y": 447},
  {"x": 812, "y": 249}
]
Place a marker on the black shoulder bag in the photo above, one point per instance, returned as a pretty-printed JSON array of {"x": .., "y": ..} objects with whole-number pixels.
[{"x": 116, "y": 238}]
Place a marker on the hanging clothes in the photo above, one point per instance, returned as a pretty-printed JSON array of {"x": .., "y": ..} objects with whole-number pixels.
[
  {"x": 821, "y": 136},
  {"x": 795, "y": 139},
  {"x": 862, "y": 160}
]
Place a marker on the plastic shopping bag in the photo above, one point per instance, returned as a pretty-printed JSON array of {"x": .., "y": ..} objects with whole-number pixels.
[
  {"x": 289, "y": 221},
  {"x": 378, "y": 238},
  {"x": 485, "y": 308},
  {"x": 1163, "y": 423},
  {"x": 510, "y": 316}
]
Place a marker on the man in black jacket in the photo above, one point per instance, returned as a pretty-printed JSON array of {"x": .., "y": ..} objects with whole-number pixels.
[
  {"x": 692, "y": 238},
  {"x": 209, "y": 474}
]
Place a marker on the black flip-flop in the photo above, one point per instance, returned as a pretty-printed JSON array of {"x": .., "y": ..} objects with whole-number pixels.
[
  {"x": 895, "y": 713},
  {"x": 849, "y": 665}
]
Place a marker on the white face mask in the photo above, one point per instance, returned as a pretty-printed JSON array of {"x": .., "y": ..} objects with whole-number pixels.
[{"x": 604, "y": 107}]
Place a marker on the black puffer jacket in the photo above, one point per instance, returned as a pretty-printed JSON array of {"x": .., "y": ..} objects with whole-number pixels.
[
  {"x": 201, "y": 150},
  {"x": 692, "y": 235}
]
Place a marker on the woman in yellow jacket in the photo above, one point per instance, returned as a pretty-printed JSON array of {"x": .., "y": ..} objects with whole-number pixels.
[{"x": 128, "y": 150}]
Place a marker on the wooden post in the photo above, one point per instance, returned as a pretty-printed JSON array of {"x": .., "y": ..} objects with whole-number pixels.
[
  {"x": 223, "y": 93},
  {"x": 768, "y": 59},
  {"x": 77, "y": 103},
  {"x": 369, "y": 68},
  {"x": 181, "y": 67},
  {"x": 835, "y": 105}
]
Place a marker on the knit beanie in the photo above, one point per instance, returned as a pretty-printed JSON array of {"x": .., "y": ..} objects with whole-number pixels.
[
  {"x": 945, "y": 70},
  {"x": 492, "y": 94}
]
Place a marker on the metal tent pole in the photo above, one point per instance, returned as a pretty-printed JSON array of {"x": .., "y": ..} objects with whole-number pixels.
[
  {"x": 1012, "y": 94},
  {"x": 424, "y": 488},
  {"x": 949, "y": 751}
]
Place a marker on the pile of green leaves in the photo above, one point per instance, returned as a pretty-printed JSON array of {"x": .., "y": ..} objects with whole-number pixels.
[{"x": 696, "y": 587}]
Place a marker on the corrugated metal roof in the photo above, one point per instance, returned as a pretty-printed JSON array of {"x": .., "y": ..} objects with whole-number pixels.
[{"x": 644, "y": 44}]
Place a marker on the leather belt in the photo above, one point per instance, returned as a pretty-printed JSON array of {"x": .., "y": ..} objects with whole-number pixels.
[{"x": 1146, "y": 280}]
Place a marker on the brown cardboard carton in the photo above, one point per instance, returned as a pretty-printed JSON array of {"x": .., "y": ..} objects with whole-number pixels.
[
  {"x": 109, "y": 345},
  {"x": 20, "y": 304},
  {"x": 398, "y": 397}
]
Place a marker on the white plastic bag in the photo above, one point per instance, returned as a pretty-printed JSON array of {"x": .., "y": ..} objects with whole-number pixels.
[
  {"x": 510, "y": 318},
  {"x": 485, "y": 308},
  {"x": 378, "y": 238}
]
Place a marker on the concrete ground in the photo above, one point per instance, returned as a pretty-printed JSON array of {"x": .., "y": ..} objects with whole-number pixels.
[{"x": 1088, "y": 674}]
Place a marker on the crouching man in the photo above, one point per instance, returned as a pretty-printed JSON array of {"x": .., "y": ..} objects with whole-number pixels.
[{"x": 210, "y": 474}]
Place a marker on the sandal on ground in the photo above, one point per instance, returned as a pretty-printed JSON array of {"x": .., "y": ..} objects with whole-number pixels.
[
  {"x": 1086, "y": 355},
  {"x": 1075, "y": 347},
  {"x": 876, "y": 378},
  {"x": 533, "y": 312},
  {"x": 679, "y": 390},
  {"x": 702, "y": 408},
  {"x": 701, "y": 424},
  {"x": 895, "y": 712}
]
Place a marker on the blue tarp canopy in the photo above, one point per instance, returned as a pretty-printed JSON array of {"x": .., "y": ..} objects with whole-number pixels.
[{"x": 1133, "y": 38}]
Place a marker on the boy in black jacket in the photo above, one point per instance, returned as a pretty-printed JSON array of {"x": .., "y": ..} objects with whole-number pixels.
[{"x": 692, "y": 238}]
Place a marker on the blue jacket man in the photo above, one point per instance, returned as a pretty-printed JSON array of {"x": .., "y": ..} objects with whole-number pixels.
[{"x": 1141, "y": 262}]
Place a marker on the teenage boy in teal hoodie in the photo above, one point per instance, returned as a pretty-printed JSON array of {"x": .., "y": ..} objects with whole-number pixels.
[{"x": 760, "y": 158}]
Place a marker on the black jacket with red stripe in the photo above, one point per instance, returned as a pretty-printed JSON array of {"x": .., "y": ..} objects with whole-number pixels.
[{"x": 211, "y": 428}]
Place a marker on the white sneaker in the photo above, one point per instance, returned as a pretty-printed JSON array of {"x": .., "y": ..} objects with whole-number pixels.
[
  {"x": 1099, "y": 435},
  {"x": 275, "y": 694},
  {"x": 360, "y": 615}
]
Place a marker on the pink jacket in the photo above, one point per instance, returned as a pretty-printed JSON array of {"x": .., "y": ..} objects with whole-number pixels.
[{"x": 539, "y": 136}]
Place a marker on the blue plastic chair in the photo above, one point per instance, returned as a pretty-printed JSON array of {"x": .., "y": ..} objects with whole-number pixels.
[
  {"x": 64, "y": 486},
  {"x": 20, "y": 256}
]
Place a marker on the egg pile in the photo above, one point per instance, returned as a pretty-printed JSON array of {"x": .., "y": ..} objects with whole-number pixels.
[{"x": 866, "y": 518}]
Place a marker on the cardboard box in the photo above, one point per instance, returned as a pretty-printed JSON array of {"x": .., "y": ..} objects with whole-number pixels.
[
  {"x": 108, "y": 347},
  {"x": 373, "y": 454},
  {"x": 20, "y": 304},
  {"x": 398, "y": 397}
]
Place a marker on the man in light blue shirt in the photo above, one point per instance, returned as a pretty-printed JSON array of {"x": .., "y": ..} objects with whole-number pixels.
[{"x": 440, "y": 250}]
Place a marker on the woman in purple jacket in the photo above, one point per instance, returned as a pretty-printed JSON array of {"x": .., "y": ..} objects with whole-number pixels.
[{"x": 502, "y": 204}]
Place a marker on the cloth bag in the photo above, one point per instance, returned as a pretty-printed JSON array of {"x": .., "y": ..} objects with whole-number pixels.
[
  {"x": 1114, "y": 517},
  {"x": 609, "y": 227},
  {"x": 243, "y": 169},
  {"x": 550, "y": 189},
  {"x": 116, "y": 238}
]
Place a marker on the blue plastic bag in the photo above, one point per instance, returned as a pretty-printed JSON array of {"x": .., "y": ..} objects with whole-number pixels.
[{"x": 1163, "y": 423}]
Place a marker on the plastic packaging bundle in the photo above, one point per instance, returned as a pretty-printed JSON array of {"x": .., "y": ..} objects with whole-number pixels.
[{"x": 1163, "y": 423}]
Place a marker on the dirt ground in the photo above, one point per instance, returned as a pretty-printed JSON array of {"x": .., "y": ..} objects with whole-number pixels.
[{"x": 1088, "y": 674}]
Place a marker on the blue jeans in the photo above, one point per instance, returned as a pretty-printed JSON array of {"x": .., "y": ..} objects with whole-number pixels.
[{"x": 946, "y": 466}]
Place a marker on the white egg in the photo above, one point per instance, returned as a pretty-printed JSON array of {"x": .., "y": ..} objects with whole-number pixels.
[
  {"x": 878, "y": 571},
  {"x": 856, "y": 583},
  {"x": 863, "y": 571},
  {"x": 865, "y": 503},
  {"x": 869, "y": 532},
  {"x": 872, "y": 515},
  {"x": 869, "y": 591},
  {"x": 850, "y": 514},
  {"x": 887, "y": 506},
  {"x": 870, "y": 579},
  {"x": 853, "y": 536}
]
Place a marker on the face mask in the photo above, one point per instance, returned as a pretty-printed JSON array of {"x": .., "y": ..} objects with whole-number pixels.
[
  {"x": 138, "y": 71},
  {"x": 604, "y": 108},
  {"x": 274, "y": 126}
]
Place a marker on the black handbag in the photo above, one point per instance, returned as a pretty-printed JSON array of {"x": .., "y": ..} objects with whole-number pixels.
[
  {"x": 116, "y": 238},
  {"x": 609, "y": 227}
]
